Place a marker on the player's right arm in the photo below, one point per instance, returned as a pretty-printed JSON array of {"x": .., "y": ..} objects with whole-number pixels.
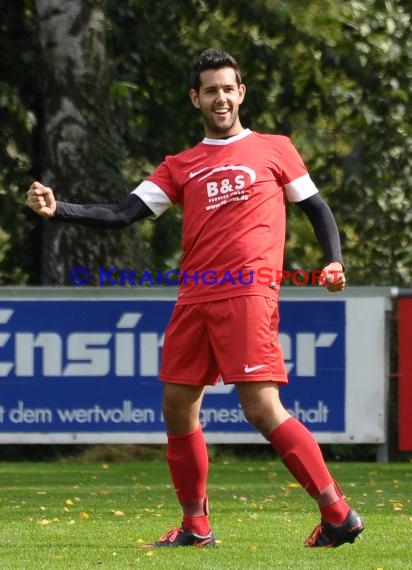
[{"x": 41, "y": 200}]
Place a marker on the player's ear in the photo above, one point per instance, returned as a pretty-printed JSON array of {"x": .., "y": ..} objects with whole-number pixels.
[
  {"x": 242, "y": 92},
  {"x": 194, "y": 97}
]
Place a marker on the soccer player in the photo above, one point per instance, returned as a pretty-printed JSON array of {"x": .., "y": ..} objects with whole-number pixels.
[{"x": 232, "y": 187}]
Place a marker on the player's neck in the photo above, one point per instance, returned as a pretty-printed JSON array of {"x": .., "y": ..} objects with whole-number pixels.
[
  {"x": 224, "y": 135},
  {"x": 229, "y": 136}
]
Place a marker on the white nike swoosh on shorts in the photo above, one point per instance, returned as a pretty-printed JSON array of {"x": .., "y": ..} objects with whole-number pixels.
[{"x": 248, "y": 369}]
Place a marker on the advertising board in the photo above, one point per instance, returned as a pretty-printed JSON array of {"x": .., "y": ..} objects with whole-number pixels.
[{"x": 84, "y": 368}]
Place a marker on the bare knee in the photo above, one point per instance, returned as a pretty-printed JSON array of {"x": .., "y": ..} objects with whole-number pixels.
[
  {"x": 169, "y": 409},
  {"x": 177, "y": 416},
  {"x": 261, "y": 406},
  {"x": 181, "y": 407},
  {"x": 256, "y": 415}
]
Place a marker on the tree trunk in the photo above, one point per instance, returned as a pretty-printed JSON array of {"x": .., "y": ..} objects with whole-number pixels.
[{"x": 81, "y": 153}]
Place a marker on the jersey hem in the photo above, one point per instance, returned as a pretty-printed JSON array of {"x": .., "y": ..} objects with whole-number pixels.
[{"x": 267, "y": 292}]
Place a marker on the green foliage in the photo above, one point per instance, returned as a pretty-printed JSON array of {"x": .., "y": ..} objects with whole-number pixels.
[
  {"x": 334, "y": 76},
  {"x": 377, "y": 171},
  {"x": 19, "y": 113}
]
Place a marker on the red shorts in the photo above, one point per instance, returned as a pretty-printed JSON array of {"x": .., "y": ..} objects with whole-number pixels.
[{"x": 236, "y": 339}]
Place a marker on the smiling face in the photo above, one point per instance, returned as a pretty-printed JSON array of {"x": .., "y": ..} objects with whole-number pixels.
[{"x": 218, "y": 100}]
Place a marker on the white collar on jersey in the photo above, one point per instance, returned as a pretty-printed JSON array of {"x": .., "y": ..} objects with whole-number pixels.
[{"x": 240, "y": 136}]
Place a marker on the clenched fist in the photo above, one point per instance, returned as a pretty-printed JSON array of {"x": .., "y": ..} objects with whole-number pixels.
[
  {"x": 334, "y": 277},
  {"x": 41, "y": 200}
]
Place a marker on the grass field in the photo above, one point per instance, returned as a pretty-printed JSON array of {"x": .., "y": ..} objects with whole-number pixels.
[{"x": 74, "y": 515}]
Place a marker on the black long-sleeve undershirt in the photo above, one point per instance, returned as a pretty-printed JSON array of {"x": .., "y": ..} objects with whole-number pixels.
[
  {"x": 324, "y": 225},
  {"x": 104, "y": 216},
  {"x": 132, "y": 208}
]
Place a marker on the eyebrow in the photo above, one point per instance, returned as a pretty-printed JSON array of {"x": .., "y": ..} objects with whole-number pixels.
[{"x": 207, "y": 87}]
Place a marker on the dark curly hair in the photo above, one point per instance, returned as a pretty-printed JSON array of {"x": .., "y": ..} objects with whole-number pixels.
[{"x": 213, "y": 59}]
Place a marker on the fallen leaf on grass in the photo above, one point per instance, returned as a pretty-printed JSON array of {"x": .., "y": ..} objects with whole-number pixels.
[
  {"x": 118, "y": 513},
  {"x": 397, "y": 505},
  {"x": 84, "y": 516}
]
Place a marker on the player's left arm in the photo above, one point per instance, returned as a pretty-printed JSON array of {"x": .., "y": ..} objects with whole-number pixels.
[{"x": 326, "y": 231}]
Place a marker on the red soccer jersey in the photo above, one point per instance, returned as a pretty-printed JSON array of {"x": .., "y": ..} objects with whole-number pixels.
[{"x": 232, "y": 192}]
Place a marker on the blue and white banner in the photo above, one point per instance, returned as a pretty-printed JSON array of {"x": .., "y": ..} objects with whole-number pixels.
[{"x": 86, "y": 370}]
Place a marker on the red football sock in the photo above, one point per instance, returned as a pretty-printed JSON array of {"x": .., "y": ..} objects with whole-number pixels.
[
  {"x": 189, "y": 465},
  {"x": 301, "y": 454}
]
